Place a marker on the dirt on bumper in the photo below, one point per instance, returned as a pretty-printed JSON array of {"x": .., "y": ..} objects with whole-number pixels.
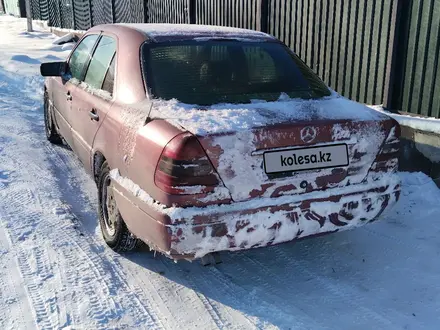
[{"x": 250, "y": 225}]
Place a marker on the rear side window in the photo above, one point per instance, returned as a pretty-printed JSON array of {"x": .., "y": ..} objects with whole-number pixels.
[
  {"x": 100, "y": 62},
  {"x": 109, "y": 81},
  {"x": 210, "y": 72},
  {"x": 81, "y": 56}
]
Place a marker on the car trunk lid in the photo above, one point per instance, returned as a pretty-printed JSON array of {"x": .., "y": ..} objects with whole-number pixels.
[{"x": 285, "y": 155}]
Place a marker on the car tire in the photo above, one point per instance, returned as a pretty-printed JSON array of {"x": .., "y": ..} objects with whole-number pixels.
[
  {"x": 49, "y": 126},
  {"x": 114, "y": 231}
]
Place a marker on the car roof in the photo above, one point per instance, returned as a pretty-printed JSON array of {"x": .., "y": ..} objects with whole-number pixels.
[{"x": 169, "y": 32}]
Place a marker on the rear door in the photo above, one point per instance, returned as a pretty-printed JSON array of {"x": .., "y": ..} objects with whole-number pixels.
[
  {"x": 62, "y": 87},
  {"x": 92, "y": 98}
]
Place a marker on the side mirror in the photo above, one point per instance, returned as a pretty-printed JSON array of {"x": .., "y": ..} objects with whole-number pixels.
[{"x": 53, "y": 69}]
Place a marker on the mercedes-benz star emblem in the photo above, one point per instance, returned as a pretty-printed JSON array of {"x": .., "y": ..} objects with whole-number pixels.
[{"x": 308, "y": 134}]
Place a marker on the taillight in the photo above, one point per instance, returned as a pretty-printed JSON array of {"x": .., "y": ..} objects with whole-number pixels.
[
  {"x": 184, "y": 168},
  {"x": 388, "y": 158}
]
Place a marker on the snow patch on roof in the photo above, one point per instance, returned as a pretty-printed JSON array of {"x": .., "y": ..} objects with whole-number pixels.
[{"x": 156, "y": 30}]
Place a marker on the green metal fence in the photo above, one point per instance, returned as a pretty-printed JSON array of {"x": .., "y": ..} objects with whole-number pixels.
[
  {"x": 416, "y": 86},
  {"x": 372, "y": 51}
]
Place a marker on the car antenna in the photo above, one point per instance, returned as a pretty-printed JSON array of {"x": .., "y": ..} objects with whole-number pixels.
[{"x": 147, "y": 120}]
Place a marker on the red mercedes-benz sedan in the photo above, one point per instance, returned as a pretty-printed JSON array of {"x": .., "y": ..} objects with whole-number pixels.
[{"x": 204, "y": 139}]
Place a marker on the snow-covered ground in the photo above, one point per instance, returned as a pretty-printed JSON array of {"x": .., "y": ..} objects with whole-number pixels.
[{"x": 55, "y": 271}]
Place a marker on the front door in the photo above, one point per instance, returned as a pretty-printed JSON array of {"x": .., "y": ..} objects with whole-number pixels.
[
  {"x": 92, "y": 99},
  {"x": 62, "y": 104},
  {"x": 63, "y": 86}
]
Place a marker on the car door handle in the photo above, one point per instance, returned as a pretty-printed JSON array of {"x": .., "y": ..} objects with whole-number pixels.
[
  {"x": 93, "y": 115},
  {"x": 68, "y": 96}
]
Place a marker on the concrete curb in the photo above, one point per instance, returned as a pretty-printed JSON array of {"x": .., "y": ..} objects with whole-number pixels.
[
  {"x": 420, "y": 152},
  {"x": 56, "y": 30}
]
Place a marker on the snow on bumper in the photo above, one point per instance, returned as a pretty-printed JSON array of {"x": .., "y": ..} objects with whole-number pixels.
[{"x": 249, "y": 225}]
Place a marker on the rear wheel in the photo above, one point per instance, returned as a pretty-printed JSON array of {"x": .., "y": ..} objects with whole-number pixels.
[
  {"x": 113, "y": 228},
  {"x": 51, "y": 132}
]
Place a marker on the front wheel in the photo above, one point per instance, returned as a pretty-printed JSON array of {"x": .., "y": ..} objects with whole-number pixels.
[
  {"x": 114, "y": 231},
  {"x": 49, "y": 127}
]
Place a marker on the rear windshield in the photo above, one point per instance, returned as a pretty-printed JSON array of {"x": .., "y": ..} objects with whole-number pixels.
[{"x": 211, "y": 72}]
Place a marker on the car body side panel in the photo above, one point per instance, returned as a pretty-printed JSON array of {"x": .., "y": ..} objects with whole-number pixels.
[
  {"x": 84, "y": 128},
  {"x": 107, "y": 139},
  {"x": 62, "y": 107},
  {"x": 134, "y": 151},
  {"x": 150, "y": 142},
  {"x": 146, "y": 227}
]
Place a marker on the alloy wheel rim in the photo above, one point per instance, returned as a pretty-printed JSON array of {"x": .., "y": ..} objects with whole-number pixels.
[{"x": 110, "y": 212}]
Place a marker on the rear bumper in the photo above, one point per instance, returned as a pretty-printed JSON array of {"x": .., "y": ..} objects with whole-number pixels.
[{"x": 193, "y": 232}]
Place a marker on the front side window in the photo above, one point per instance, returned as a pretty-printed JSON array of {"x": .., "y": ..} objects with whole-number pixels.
[
  {"x": 210, "y": 72},
  {"x": 81, "y": 56},
  {"x": 100, "y": 62}
]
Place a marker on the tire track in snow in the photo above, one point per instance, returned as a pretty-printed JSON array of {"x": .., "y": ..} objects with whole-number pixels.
[
  {"x": 144, "y": 316},
  {"x": 222, "y": 321},
  {"x": 29, "y": 215},
  {"x": 219, "y": 320},
  {"x": 67, "y": 162},
  {"x": 13, "y": 308},
  {"x": 249, "y": 284},
  {"x": 339, "y": 293},
  {"x": 32, "y": 278},
  {"x": 190, "y": 285},
  {"x": 44, "y": 307},
  {"x": 152, "y": 292},
  {"x": 179, "y": 295},
  {"x": 65, "y": 159},
  {"x": 99, "y": 309}
]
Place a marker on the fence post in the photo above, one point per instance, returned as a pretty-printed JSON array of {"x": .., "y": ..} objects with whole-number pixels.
[
  {"x": 73, "y": 14},
  {"x": 146, "y": 18},
  {"x": 91, "y": 13},
  {"x": 113, "y": 11},
  {"x": 192, "y": 11},
  {"x": 29, "y": 15},
  {"x": 264, "y": 19},
  {"x": 60, "y": 14},
  {"x": 391, "y": 93}
]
